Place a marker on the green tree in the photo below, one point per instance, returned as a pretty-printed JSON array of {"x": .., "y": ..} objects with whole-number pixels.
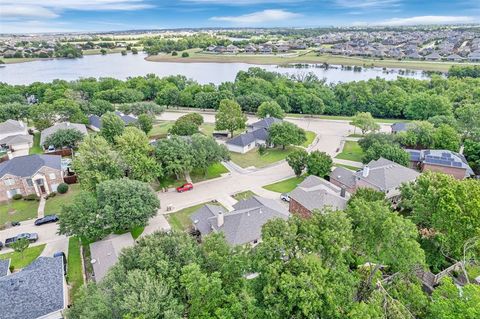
[
  {"x": 365, "y": 122},
  {"x": 230, "y": 117},
  {"x": 270, "y": 109},
  {"x": 20, "y": 245},
  {"x": 297, "y": 161},
  {"x": 391, "y": 152},
  {"x": 64, "y": 138},
  {"x": 468, "y": 118},
  {"x": 175, "y": 156},
  {"x": 447, "y": 138},
  {"x": 206, "y": 151},
  {"x": 286, "y": 133},
  {"x": 145, "y": 123},
  {"x": 112, "y": 126},
  {"x": 187, "y": 125},
  {"x": 472, "y": 153},
  {"x": 423, "y": 106},
  {"x": 319, "y": 164},
  {"x": 100, "y": 107}
]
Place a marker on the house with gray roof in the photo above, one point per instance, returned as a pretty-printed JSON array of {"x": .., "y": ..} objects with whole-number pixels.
[
  {"x": 14, "y": 138},
  {"x": 382, "y": 175},
  {"x": 316, "y": 193},
  {"x": 241, "y": 226},
  {"x": 95, "y": 121},
  {"x": 256, "y": 135},
  {"x": 37, "y": 291},
  {"x": 105, "y": 253},
  {"x": 58, "y": 127},
  {"x": 443, "y": 161},
  {"x": 31, "y": 174}
]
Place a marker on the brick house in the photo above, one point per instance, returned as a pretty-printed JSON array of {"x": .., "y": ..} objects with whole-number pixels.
[
  {"x": 442, "y": 161},
  {"x": 14, "y": 138},
  {"x": 315, "y": 193},
  {"x": 31, "y": 174}
]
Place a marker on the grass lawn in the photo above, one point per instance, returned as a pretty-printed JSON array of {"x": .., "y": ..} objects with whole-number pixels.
[
  {"x": 74, "y": 269},
  {"x": 180, "y": 220},
  {"x": 214, "y": 171},
  {"x": 18, "y": 210},
  {"x": 168, "y": 182},
  {"x": 160, "y": 130},
  {"x": 253, "y": 158},
  {"x": 352, "y": 168},
  {"x": 285, "y": 186},
  {"x": 351, "y": 151},
  {"x": 36, "y": 149},
  {"x": 310, "y": 137},
  {"x": 53, "y": 205},
  {"x": 137, "y": 231},
  {"x": 244, "y": 195},
  {"x": 207, "y": 129},
  {"x": 29, "y": 255}
]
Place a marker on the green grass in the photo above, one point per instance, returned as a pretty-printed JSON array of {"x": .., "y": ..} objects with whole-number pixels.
[
  {"x": 18, "y": 210},
  {"x": 351, "y": 151},
  {"x": 169, "y": 182},
  {"x": 74, "y": 262},
  {"x": 160, "y": 130},
  {"x": 285, "y": 186},
  {"x": 310, "y": 137},
  {"x": 137, "y": 231},
  {"x": 352, "y": 168},
  {"x": 180, "y": 220},
  {"x": 53, "y": 205},
  {"x": 214, "y": 171},
  {"x": 30, "y": 254},
  {"x": 253, "y": 158},
  {"x": 244, "y": 195},
  {"x": 207, "y": 129},
  {"x": 356, "y": 135},
  {"x": 36, "y": 149}
]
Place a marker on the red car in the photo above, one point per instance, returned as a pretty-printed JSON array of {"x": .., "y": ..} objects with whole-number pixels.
[{"x": 185, "y": 187}]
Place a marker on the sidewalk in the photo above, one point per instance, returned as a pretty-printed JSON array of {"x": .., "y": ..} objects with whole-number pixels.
[{"x": 41, "y": 207}]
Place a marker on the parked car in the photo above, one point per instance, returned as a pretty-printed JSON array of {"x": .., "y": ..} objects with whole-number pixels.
[
  {"x": 64, "y": 260},
  {"x": 46, "y": 219},
  {"x": 185, "y": 187},
  {"x": 32, "y": 237},
  {"x": 285, "y": 197},
  {"x": 1, "y": 245}
]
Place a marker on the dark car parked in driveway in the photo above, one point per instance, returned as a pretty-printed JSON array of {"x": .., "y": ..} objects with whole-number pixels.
[
  {"x": 32, "y": 237},
  {"x": 47, "y": 219}
]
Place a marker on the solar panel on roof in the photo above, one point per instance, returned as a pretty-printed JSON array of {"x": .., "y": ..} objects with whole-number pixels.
[
  {"x": 446, "y": 155},
  {"x": 457, "y": 164}
]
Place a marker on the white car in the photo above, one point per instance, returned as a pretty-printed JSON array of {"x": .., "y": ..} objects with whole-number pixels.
[{"x": 285, "y": 197}]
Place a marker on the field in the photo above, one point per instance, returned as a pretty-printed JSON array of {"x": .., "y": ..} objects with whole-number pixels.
[
  {"x": 351, "y": 151},
  {"x": 253, "y": 158},
  {"x": 180, "y": 220},
  {"x": 19, "y": 260},
  {"x": 285, "y": 186},
  {"x": 18, "y": 210}
]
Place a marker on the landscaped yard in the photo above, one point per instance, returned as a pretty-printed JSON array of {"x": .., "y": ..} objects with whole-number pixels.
[
  {"x": 160, "y": 130},
  {"x": 352, "y": 168},
  {"x": 285, "y": 186},
  {"x": 36, "y": 149},
  {"x": 54, "y": 205},
  {"x": 18, "y": 210},
  {"x": 19, "y": 260},
  {"x": 74, "y": 270},
  {"x": 253, "y": 158},
  {"x": 214, "y": 171},
  {"x": 351, "y": 151},
  {"x": 180, "y": 220},
  {"x": 244, "y": 195},
  {"x": 310, "y": 137}
]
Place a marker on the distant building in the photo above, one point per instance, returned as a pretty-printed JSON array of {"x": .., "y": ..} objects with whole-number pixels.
[
  {"x": 442, "y": 161},
  {"x": 256, "y": 135},
  {"x": 95, "y": 121},
  {"x": 60, "y": 126}
]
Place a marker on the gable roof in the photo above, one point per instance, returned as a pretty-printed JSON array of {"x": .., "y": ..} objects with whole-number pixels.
[
  {"x": 201, "y": 216},
  {"x": 4, "y": 267},
  {"x": 61, "y": 126},
  {"x": 17, "y": 139},
  {"x": 265, "y": 123},
  {"x": 96, "y": 121},
  {"x": 316, "y": 193},
  {"x": 12, "y": 126},
  {"x": 385, "y": 174},
  {"x": 26, "y": 166},
  {"x": 35, "y": 291},
  {"x": 344, "y": 176},
  {"x": 242, "y": 139}
]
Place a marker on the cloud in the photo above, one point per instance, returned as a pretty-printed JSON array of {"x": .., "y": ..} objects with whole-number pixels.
[
  {"x": 367, "y": 4},
  {"x": 259, "y": 17},
  {"x": 426, "y": 20},
  {"x": 242, "y": 2},
  {"x": 16, "y": 11}
]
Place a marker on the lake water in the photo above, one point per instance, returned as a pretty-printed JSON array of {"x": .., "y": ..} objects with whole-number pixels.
[{"x": 121, "y": 67}]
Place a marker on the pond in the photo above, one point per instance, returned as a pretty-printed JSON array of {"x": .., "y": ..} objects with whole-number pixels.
[{"x": 121, "y": 67}]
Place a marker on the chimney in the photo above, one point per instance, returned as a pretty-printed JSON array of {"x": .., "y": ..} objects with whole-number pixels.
[
  {"x": 366, "y": 171},
  {"x": 342, "y": 191},
  {"x": 220, "y": 219}
]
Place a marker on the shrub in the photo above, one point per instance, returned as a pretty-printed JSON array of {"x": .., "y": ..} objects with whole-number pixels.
[
  {"x": 262, "y": 149},
  {"x": 12, "y": 268},
  {"x": 174, "y": 53},
  {"x": 31, "y": 197},
  {"x": 52, "y": 194},
  {"x": 185, "y": 55},
  {"x": 17, "y": 196},
  {"x": 62, "y": 188}
]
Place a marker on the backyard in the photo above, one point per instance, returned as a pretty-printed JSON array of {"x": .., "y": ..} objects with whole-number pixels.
[
  {"x": 74, "y": 270},
  {"x": 36, "y": 149},
  {"x": 351, "y": 151},
  {"x": 180, "y": 220},
  {"x": 253, "y": 158},
  {"x": 21, "y": 260},
  {"x": 285, "y": 186},
  {"x": 18, "y": 210}
]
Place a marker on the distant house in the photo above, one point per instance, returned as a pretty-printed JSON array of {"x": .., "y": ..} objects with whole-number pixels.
[
  {"x": 257, "y": 134},
  {"x": 382, "y": 175},
  {"x": 399, "y": 127},
  {"x": 37, "y": 291},
  {"x": 474, "y": 56},
  {"x": 455, "y": 58},
  {"x": 14, "y": 138},
  {"x": 241, "y": 226},
  {"x": 232, "y": 49},
  {"x": 95, "y": 121},
  {"x": 250, "y": 49},
  {"x": 31, "y": 174},
  {"x": 105, "y": 253},
  {"x": 442, "y": 161},
  {"x": 60, "y": 126},
  {"x": 435, "y": 56},
  {"x": 315, "y": 193}
]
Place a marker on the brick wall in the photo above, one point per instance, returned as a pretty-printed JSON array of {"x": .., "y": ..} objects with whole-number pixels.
[
  {"x": 297, "y": 209},
  {"x": 458, "y": 173}
]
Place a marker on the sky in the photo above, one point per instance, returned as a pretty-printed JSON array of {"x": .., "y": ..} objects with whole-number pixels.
[{"x": 31, "y": 16}]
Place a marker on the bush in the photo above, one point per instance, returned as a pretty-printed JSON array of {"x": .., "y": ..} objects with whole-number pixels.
[
  {"x": 174, "y": 53},
  {"x": 185, "y": 55},
  {"x": 17, "y": 196},
  {"x": 62, "y": 188},
  {"x": 262, "y": 149},
  {"x": 31, "y": 197},
  {"x": 52, "y": 194}
]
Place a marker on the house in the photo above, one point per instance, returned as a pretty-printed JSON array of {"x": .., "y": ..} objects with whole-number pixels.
[
  {"x": 232, "y": 49},
  {"x": 14, "y": 138},
  {"x": 105, "y": 253},
  {"x": 30, "y": 174},
  {"x": 60, "y": 126},
  {"x": 399, "y": 127},
  {"x": 316, "y": 193},
  {"x": 257, "y": 134},
  {"x": 433, "y": 57},
  {"x": 241, "y": 226},
  {"x": 443, "y": 161},
  {"x": 37, "y": 291},
  {"x": 455, "y": 58},
  {"x": 474, "y": 56},
  {"x": 95, "y": 121},
  {"x": 382, "y": 175}
]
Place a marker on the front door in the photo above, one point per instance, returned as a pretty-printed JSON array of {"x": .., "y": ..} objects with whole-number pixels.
[{"x": 41, "y": 185}]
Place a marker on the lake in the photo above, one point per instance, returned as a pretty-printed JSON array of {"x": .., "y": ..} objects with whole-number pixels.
[{"x": 121, "y": 67}]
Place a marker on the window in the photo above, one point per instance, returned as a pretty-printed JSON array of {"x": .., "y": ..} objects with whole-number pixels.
[
  {"x": 9, "y": 182},
  {"x": 52, "y": 176},
  {"x": 30, "y": 182}
]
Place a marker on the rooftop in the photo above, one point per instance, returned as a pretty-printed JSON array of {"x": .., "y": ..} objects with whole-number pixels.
[
  {"x": 12, "y": 127},
  {"x": 28, "y": 165},
  {"x": 444, "y": 158},
  {"x": 61, "y": 126}
]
